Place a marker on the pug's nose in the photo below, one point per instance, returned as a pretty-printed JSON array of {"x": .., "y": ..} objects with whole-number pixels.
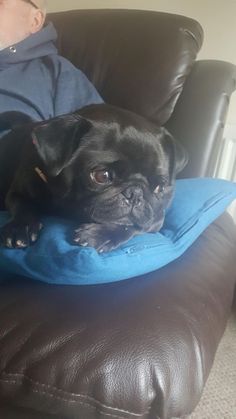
[{"x": 134, "y": 194}]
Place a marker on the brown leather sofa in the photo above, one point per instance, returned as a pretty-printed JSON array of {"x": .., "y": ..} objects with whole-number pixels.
[{"x": 140, "y": 348}]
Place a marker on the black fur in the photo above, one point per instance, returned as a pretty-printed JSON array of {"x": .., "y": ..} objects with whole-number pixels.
[{"x": 109, "y": 169}]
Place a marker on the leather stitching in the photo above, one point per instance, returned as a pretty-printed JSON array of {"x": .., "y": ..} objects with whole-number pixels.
[{"x": 68, "y": 395}]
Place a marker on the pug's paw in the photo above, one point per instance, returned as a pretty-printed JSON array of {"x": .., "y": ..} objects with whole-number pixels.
[
  {"x": 15, "y": 235},
  {"x": 102, "y": 237}
]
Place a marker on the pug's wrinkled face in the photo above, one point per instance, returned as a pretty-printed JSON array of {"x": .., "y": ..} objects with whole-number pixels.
[
  {"x": 109, "y": 167},
  {"x": 123, "y": 178}
]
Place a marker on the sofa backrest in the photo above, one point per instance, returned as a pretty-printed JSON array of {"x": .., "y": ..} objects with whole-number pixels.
[{"x": 138, "y": 60}]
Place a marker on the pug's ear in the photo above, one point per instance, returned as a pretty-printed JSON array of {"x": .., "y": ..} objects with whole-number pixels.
[
  {"x": 57, "y": 141},
  {"x": 176, "y": 154}
]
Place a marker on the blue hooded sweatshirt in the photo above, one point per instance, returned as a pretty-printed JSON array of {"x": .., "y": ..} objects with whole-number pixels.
[{"x": 35, "y": 80}]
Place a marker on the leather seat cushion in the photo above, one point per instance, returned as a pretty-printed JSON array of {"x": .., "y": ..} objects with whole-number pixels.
[{"x": 139, "y": 348}]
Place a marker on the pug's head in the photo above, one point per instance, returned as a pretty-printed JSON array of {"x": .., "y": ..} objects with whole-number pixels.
[{"x": 106, "y": 165}]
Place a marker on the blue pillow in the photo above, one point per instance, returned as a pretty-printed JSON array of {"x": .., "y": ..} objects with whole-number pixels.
[{"x": 197, "y": 203}]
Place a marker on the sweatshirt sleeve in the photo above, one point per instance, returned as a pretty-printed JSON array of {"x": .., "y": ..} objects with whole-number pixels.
[{"x": 72, "y": 89}]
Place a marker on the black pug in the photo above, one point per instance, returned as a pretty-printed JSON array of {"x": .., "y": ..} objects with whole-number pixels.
[{"x": 109, "y": 169}]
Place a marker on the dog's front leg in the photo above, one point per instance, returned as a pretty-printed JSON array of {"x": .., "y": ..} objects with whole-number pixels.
[{"x": 24, "y": 227}]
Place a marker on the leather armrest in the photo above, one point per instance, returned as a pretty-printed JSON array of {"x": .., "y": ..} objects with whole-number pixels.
[{"x": 200, "y": 113}]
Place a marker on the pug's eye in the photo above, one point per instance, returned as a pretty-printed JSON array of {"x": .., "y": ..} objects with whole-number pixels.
[
  {"x": 101, "y": 177},
  {"x": 159, "y": 189}
]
